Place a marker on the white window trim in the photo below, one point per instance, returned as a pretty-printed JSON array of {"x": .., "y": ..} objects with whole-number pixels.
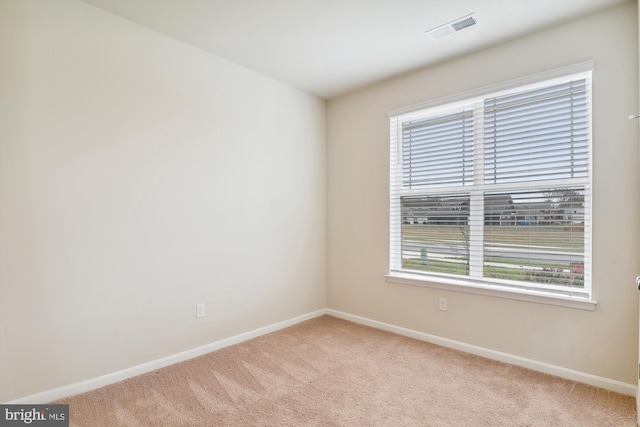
[
  {"x": 460, "y": 285},
  {"x": 580, "y": 298}
]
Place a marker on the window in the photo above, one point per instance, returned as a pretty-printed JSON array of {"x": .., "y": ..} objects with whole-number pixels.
[{"x": 494, "y": 190}]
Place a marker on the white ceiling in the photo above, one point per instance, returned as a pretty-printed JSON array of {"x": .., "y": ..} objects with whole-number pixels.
[{"x": 329, "y": 47}]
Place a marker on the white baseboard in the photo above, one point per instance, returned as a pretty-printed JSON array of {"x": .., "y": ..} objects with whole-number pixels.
[
  {"x": 594, "y": 380},
  {"x": 94, "y": 383}
]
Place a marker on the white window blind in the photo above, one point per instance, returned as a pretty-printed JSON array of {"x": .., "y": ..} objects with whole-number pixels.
[
  {"x": 438, "y": 150},
  {"x": 537, "y": 134},
  {"x": 496, "y": 190}
]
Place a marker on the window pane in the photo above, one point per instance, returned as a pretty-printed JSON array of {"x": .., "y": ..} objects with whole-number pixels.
[
  {"x": 438, "y": 151},
  {"x": 535, "y": 236},
  {"x": 537, "y": 134},
  {"x": 435, "y": 233},
  {"x": 497, "y": 191}
]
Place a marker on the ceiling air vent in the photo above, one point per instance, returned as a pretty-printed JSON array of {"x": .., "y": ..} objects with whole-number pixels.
[{"x": 452, "y": 27}]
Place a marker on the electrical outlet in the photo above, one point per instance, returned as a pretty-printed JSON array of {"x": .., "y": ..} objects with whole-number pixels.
[
  {"x": 443, "y": 304},
  {"x": 200, "y": 311}
]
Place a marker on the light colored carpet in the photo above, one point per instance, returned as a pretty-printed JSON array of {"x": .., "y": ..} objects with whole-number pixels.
[{"x": 330, "y": 372}]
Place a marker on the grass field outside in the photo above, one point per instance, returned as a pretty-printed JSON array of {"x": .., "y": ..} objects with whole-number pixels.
[
  {"x": 551, "y": 236},
  {"x": 525, "y": 245}
]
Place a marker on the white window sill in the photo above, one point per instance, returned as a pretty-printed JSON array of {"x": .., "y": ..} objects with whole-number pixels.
[{"x": 536, "y": 296}]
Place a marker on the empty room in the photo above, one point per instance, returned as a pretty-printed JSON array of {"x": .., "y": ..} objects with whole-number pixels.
[{"x": 319, "y": 212}]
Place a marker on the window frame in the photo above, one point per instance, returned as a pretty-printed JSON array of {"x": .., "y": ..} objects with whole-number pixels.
[{"x": 549, "y": 294}]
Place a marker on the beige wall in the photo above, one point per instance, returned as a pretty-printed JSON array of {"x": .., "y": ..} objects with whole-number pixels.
[
  {"x": 138, "y": 177},
  {"x": 603, "y": 342}
]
